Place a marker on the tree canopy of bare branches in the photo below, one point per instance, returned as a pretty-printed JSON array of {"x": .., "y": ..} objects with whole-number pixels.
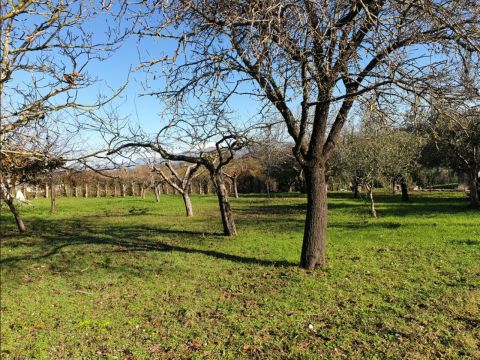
[
  {"x": 46, "y": 55},
  {"x": 311, "y": 61}
]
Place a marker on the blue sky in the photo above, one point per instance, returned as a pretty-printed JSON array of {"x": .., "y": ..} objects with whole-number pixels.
[{"x": 144, "y": 109}]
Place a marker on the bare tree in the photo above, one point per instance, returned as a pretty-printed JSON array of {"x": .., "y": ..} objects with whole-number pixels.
[
  {"x": 214, "y": 161},
  {"x": 181, "y": 182},
  {"x": 46, "y": 55},
  {"x": 209, "y": 139},
  {"x": 310, "y": 61}
]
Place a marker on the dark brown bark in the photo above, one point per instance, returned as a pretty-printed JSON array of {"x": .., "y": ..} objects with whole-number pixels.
[
  {"x": 314, "y": 239},
  {"x": 355, "y": 189},
  {"x": 229, "y": 228},
  {"x": 16, "y": 215},
  {"x": 474, "y": 197},
  {"x": 404, "y": 187}
]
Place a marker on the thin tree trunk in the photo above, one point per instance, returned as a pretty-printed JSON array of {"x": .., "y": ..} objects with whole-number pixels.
[
  {"x": 97, "y": 190},
  {"x": 36, "y": 192},
  {"x": 355, "y": 189},
  {"x": 474, "y": 197},
  {"x": 158, "y": 191},
  {"x": 133, "y": 188},
  {"x": 86, "y": 191},
  {"x": 16, "y": 214},
  {"x": 188, "y": 203},
  {"x": 76, "y": 191},
  {"x": 229, "y": 228},
  {"x": 123, "y": 189},
  {"x": 404, "y": 187},
  {"x": 314, "y": 238},
  {"x": 373, "y": 212},
  {"x": 46, "y": 191},
  {"x": 106, "y": 189},
  {"x": 53, "y": 206},
  {"x": 235, "y": 187},
  {"x": 142, "y": 191}
]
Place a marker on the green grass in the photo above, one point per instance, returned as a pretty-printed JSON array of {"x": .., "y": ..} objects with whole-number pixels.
[{"x": 134, "y": 279}]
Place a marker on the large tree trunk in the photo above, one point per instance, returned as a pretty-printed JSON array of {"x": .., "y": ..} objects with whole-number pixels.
[
  {"x": 314, "y": 238},
  {"x": 404, "y": 187},
  {"x": 16, "y": 214},
  {"x": 229, "y": 228},
  {"x": 474, "y": 197},
  {"x": 53, "y": 205},
  {"x": 188, "y": 203}
]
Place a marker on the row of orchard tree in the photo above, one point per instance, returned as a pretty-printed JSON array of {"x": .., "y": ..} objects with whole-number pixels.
[
  {"x": 366, "y": 157},
  {"x": 310, "y": 65}
]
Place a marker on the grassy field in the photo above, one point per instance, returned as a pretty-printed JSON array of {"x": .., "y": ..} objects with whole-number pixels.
[{"x": 134, "y": 279}]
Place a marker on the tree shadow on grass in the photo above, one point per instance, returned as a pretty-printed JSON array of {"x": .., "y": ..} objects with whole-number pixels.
[
  {"x": 57, "y": 235},
  {"x": 364, "y": 225},
  {"x": 387, "y": 205},
  {"x": 468, "y": 242},
  {"x": 441, "y": 204}
]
